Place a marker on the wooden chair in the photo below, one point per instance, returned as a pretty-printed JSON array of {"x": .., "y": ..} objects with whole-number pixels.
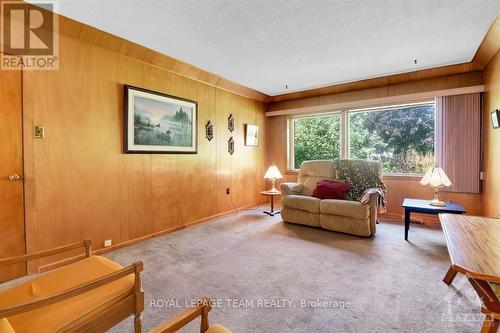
[
  {"x": 106, "y": 299},
  {"x": 491, "y": 305},
  {"x": 201, "y": 310}
]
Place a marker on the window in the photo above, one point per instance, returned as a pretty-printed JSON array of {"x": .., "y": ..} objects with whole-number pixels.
[
  {"x": 401, "y": 137},
  {"x": 316, "y": 138}
]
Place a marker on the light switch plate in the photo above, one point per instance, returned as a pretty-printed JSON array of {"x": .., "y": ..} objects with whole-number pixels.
[{"x": 39, "y": 132}]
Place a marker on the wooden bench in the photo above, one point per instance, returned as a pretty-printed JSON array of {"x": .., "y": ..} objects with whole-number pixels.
[{"x": 91, "y": 294}]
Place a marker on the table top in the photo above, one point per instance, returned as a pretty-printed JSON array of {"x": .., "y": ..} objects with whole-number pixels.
[
  {"x": 271, "y": 193},
  {"x": 451, "y": 207},
  {"x": 473, "y": 244}
]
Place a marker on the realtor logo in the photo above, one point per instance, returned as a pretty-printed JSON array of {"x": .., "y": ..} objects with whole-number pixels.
[{"x": 29, "y": 36}]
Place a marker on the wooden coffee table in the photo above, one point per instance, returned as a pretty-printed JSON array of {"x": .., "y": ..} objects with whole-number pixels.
[
  {"x": 422, "y": 206},
  {"x": 474, "y": 247},
  {"x": 271, "y": 194}
]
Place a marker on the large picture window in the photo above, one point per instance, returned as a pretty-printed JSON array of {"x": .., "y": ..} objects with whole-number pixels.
[{"x": 401, "y": 137}]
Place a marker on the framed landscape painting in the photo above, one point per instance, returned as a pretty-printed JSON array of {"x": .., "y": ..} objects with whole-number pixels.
[{"x": 159, "y": 123}]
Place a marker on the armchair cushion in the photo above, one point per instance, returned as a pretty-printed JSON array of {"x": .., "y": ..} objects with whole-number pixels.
[
  {"x": 353, "y": 209},
  {"x": 291, "y": 188},
  {"x": 313, "y": 171},
  {"x": 217, "y": 329},
  {"x": 300, "y": 202},
  {"x": 55, "y": 316}
]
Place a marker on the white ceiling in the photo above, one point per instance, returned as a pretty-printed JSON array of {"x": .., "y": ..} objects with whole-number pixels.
[{"x": 267, "y": 44}]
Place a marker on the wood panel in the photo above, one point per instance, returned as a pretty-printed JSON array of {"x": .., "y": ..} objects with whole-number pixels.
[
  {"x": 82, "y": 185},
  {"x": 11, "y": 191},
  {"x": 491, "y": 164},
  {"x": 489, "y": 46},
  {"x": 400, "y": 187}
]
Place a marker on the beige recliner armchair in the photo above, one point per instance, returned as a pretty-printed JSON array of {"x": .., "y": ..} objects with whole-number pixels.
[{"x": 348, "y": 216}]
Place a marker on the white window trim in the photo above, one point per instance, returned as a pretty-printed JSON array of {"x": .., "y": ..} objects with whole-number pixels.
[{"x": 344, "y": 132}]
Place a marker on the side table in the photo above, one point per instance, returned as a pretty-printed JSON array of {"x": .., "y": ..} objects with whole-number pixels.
[
  {"x": 271, "y": 194},
  {"x": 422, "y": 206}
]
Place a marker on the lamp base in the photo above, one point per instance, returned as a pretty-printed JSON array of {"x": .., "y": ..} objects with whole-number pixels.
[
  {"x": 274, "y": 189},
  {"x": 437, "y": 203}
]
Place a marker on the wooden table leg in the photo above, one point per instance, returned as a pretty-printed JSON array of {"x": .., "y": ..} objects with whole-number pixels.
[
  {"x": 450, "y": 275},
  {"x": 490, "y": 324},
  {"x": 407, "y": 222}
]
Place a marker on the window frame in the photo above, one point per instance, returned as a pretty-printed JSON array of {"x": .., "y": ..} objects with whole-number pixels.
[{"x": 345, "y": 140}]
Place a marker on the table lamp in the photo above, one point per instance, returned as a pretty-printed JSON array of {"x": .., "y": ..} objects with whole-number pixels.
[
  {"x": 273, "y": 173},
  {"x": 436, "y": 178}
]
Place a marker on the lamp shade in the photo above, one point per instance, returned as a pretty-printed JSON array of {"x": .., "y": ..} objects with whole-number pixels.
[
  {"x": 435, "y": 177},
  {"x": 273, "y": 173}
]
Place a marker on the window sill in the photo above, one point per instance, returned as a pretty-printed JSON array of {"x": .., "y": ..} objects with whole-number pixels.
[
  {"x": 390, "y": 176},
  {"x": 402, "y": 176}
]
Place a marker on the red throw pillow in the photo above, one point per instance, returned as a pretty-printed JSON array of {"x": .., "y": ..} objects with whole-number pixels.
[{"x": 328, "y": 189}]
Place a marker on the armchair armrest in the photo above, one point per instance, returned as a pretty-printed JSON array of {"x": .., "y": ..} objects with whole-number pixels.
[
  {"x": 372, "y": 197},
  {"x": 184, "y": 318},
  {"x": 291, "y": 188},
  {"x": 87, "y": 244},
  {"x": 135, "y": 269}
]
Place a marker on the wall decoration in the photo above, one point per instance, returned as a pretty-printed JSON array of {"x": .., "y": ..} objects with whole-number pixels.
[
  {"x": 230, "y": 146},
  {"x": 159, "y": 123},
  {"x": 495, "y": 118},
  {"x": 230, "y": 123},
  {"x": 251, "y": 135},
  {"x": 209, "y": 130}
]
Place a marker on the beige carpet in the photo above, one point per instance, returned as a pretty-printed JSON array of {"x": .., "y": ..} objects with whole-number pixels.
[{"x": 263, "y": 272}]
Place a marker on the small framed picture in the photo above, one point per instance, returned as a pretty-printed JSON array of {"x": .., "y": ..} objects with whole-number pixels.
[
  {"x": 251, "y": 135},
  {"x": 495, "y": 118},
  {"x": 159, "y": 123}
]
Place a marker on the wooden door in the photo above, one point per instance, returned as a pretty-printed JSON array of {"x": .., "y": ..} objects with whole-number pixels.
[{"x": 12, "y": 234}]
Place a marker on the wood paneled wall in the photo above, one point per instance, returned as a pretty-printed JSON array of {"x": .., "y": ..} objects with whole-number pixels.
[
  {"x": 79, "y": 182},
  {"x": 398, "y": 187},
  {"x": 491, "y": 193}
]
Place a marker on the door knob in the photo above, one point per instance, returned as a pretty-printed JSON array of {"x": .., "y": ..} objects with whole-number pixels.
[{"x": 14, "y": 177}]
